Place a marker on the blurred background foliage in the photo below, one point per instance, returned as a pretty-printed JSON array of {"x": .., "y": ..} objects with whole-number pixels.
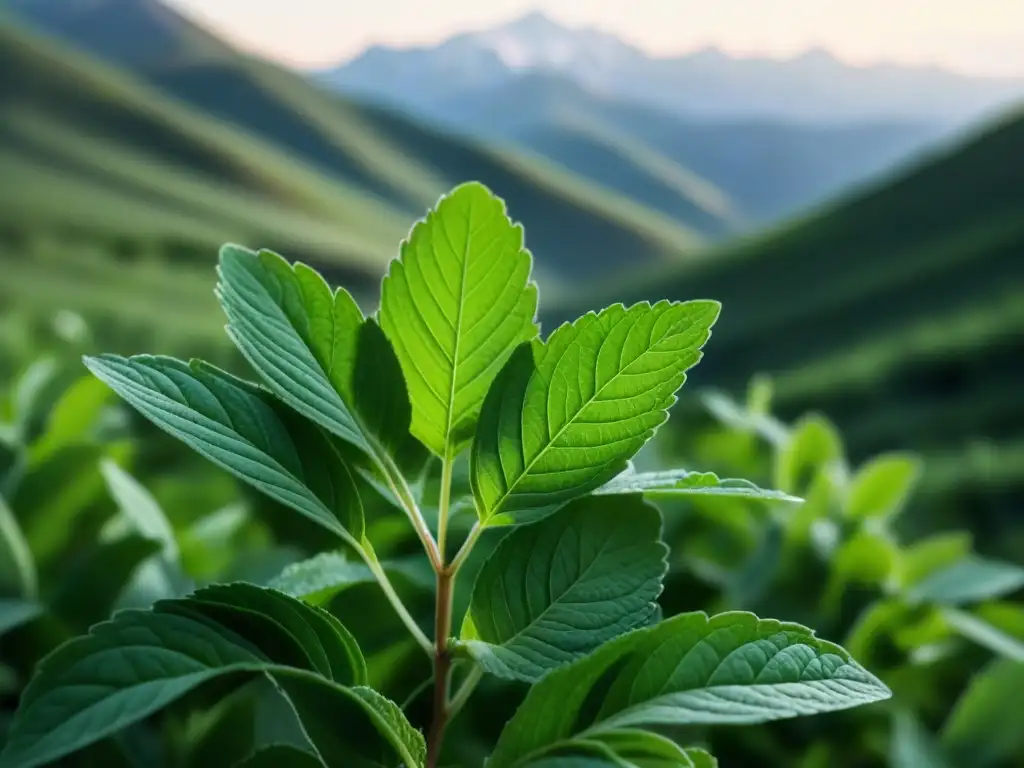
[{"x": 870, "y": 260}]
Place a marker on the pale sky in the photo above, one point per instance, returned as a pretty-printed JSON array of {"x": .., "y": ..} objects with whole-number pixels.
[{"x": 976, "y": 36}]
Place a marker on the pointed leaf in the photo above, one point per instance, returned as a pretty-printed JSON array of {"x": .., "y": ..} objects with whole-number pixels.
[
  {"x": 911, "y": 745},
  {"x": 984, "y": 727},
  {"x": 688, "y": 670},
  {"x": 126, "y": 669},
  {"x": 455, "y": 304},
  {"x": 882, "y": 485},
  {"x": 679, "y": 482},
  {"x": 244, "y": 430},
  {"x": 564, "y": 416},
  {"x": 15, "y": 612},
  {"x": 315, "y": 351},
  {"x": 554, "y": 591},
  {"x": 984, "y": 634},
  {"x": 813, "y": 442},
  {"x": 969, "y": 580},
  {"x": 321, "y": 577},
  {"x": 929, "y": 555},
  {"x": 138, "y": 505},
  {"x": 17, "y": 568}
]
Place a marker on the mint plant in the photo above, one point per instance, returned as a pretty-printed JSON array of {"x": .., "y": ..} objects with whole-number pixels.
[{"x": 347, "y": 407}]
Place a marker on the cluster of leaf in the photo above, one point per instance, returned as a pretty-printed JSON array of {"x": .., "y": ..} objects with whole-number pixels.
[
  {"x": 937, "y": 622},
  {"x": 353, "y": 422}
]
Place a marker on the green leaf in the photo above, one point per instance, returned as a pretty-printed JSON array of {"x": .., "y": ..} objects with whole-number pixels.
[
  {"x": 882, "y": 485},
  {"x": 455, "y": 304},
  {"x": 673, "y": 483},
  {"x": 814, "y": 442},
  {"x": 17, "y": 568},
  {"x": 931, "y": 554},
  {"x": 969, "y": 580},
  {"x": 280, "y": 756},
  {"x": 701, "y": 758},
  {"x": 15, "y": 612},
  {"x": 984, "y": 726},
  {"x": 244, "y": 430},
  {"x": 564, "y": 416},
  {"x": 868, "y": 558},
  {"x": 911, "y": 745},
  {"x": 129, "y": 668},
  {"x": 89, "y": 589},
  {"x": 140, "y": 508},
  {"x": 73, "y": 417},
  {"x": 688, "y": 670},
  {"x": 315, "y": 351},
  {"x": 984, "y": 634},
  {"x": 554, "y": 591},
  {"x": 321, "y": 577},
  {"x": 651, "y": 750}
]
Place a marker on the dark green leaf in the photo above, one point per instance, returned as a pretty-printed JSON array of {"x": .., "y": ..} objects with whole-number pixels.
[
  {"x": 245, "y": 431},
  {"x": 129, "y": 668},
  {"x": 564, "y": 416},
  {"x": 15, "y": 612},
  {"x": 556, "y": 590},
  {"x": 280, "y": 756},
  {"x": 323, "y": 576},
  {"x": 17, "y": 568},
  {"x": 984, "y": 728},
  {"x": 455, "y": 304},
  {"x": 730, "y": 669}
]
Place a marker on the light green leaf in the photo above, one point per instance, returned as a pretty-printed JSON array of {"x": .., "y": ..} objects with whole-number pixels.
[
  {"x": 244, "y": 430},
  {"x": 127, "y": 669},
  {"x": 985, "y": 726},
  {"x": 984, "y": 634},
  {"x": 140, "y": 508},
  {"x": 701, "y": 758},
  {"x": 911, "y": 746},
  {"x": 455, "y": 304},
  {"x": 321, "y": 577},
  {"x": 15, "y": 612},
  {"x": 931, "y": 554},
  {"x": 315, "y": 351},
  {"x": 564, "y": 416},
  {"x": 74, "y": 415},
  {"x": 969, "y": 580},
  {"x": 868, "y": 558},
  {"x": 882, "y": 485},
  {"x": 673, "y": 483},
  {"x": 17, "y": 568},
  {"x": 554, "y": 591},
  {"x": 744, "y": 419},
  {"x": 814, "y": 442},
  {"x": 688, "y": 670}
]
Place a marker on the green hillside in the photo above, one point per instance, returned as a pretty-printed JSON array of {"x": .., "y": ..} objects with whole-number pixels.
[{"x": 898, "y": 312}]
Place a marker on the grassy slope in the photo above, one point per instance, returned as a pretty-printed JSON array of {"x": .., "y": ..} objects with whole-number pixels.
[
  {"x": 763, "y": 168},
  {"x": 898, "y": 312}
]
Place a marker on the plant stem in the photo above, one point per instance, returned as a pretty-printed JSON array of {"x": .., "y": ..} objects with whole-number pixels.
[
  {"x": 443, "y": 503},
  {"x": 403, "y": 613},
  {"x": 396, "y": 482},
  {"x": 465, "y": 691},
  {"x": 465, "y": 549},
  {"x": 442, "y": 665}
]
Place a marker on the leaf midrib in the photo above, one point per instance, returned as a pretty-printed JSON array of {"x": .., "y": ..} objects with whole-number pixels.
[
  {"x": 496, "y": 509},
  {"x": 458, "y": 326}
]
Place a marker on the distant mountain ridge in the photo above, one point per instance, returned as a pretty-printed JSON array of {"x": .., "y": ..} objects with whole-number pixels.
[{"x": 814, "y": 86}]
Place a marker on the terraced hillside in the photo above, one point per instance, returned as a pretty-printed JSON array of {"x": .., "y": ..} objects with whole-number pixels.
[{"x": 899, "y": 312}]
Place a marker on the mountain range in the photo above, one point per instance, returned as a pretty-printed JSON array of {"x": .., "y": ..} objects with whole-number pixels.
[{"x": 812, "y": 87}]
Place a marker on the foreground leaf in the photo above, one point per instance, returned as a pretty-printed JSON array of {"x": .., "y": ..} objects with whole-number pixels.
[
  {"x": 455, "y": 304},
  {"x": 688, "y": 670},
  {"x": 315, "y": 351},
  {"x": 131, "y": 667},
  {"x": 556, "y": 590},
  {"x": 244, "y": 430},
  {"x": 679, "y": 482},
  {"x": 564, "y": 416},
  {"x": 969, "y": 580}
]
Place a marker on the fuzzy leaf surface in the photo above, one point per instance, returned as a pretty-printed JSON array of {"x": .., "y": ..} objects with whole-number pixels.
[
  {"x": 554, "y": 591},
  {"x": 243, "y": 429},
  {"x": 688, "y": 670},
  {"x": 564, "y": 416},
  {"x": 455, "y": 304},
  {"x": 673, "y": 483}
]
